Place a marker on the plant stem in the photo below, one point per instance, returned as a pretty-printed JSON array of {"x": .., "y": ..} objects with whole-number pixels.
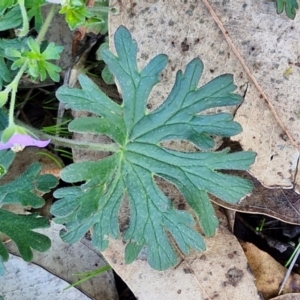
[
  {"x": 46, "y": 23},
  {"x": 15, "y": 83},
  {"x": 62, "y": 142},
  {"x": 14, "y": 87},
  {"x": 25, "y": 28}
]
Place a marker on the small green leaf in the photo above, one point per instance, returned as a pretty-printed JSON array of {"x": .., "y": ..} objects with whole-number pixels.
[
  {"x": 98, "y": 20},
  {"x": 10, "y": 18},
  {"x": 38, "y": 64},
  {"x": 107, "y": 76},
  {"x": 75, "y": 12},
  {"x": 20, "y": 229},
  {"x": 6, "y": 158},
  {"x": 4, "y": 4},
  {"x": 34, "y": 11},
  {"x": 131, "y": 171},
  {"x": 23, "y": 189},
  {"x": 9, "y": 45},
  {"x": 2, "y": 170},
  {"x": 99, "y": 50},
  {"x": 290, "y": 7},
  {"x": 3, "y": 96}
]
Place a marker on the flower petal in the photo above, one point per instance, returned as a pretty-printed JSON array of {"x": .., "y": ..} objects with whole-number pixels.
[{"x": 22, "y": 140}]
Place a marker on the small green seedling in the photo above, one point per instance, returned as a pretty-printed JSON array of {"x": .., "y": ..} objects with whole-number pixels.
[{"x": 88, "y": 275}]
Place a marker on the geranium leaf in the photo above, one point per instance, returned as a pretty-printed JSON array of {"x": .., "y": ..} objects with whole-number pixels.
[
  {"x": 290, "y": 7},
  {"x": 132, "y": 169},
  {"x": 20, "y": 229},
  {"x": 23, "y": 190}
]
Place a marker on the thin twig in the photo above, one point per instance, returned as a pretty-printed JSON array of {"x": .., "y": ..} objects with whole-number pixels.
[{"x": 288, "y": 272}]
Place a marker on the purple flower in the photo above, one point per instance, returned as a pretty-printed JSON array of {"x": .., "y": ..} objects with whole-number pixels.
[{"x": 19, "y": 141}]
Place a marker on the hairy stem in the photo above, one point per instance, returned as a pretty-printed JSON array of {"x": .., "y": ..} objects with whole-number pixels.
[
  {"x": 46, "y": 23},
  {"x": 13, "y": 86},
  {"x": 25, "y": 28},
  {"x": 63, "y": 142}
]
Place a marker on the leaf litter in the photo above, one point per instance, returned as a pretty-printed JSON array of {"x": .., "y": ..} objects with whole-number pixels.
[{"x": 266, "y": 47}]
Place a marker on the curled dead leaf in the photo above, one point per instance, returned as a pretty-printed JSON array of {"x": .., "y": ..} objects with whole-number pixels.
[{"x": 269, "y": 273}]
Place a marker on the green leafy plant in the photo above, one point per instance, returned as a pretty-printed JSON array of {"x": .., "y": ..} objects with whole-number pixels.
[
  {"x": 139, "y": 156},
  {"x": 94, "y": 18},
  {"x": 37, "y": 61},
  {"x": 23, "y": 191},
  {"x": 75, "y": 12},
  {"x": 289, "y": 6}
]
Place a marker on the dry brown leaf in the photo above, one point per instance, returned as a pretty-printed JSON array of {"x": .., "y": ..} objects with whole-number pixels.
[
  {"x": 269, "y": 273},
  {"x": 282, "y": 204},
  {"x": 185, "y": 30},
  {"x": 295, "y": 296}
]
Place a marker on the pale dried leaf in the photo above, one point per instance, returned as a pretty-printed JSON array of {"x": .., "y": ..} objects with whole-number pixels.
[
  {"x": 63, "y": 260},
  {"x": 221, "y": 272},
  {"x": 267, "y": 48},
  {"x": 184, "y": 30},
  {"x": 28, "y": 281},
  {"x": 269, "y": 273}
]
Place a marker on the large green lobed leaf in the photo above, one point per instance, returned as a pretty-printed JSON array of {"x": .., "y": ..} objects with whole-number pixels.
[{"x": 130, "y": 171}]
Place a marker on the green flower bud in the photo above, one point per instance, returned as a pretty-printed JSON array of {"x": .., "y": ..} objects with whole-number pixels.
[
  {"x": 8, "y": 133},
  {"x": 3, "y": 97}
]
